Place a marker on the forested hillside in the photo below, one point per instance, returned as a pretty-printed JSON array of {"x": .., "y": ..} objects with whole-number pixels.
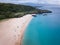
[{"x": 16, "y": 10}]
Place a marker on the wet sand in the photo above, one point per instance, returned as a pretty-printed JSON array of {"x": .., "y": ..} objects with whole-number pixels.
[{"x": 12, "y": 30}]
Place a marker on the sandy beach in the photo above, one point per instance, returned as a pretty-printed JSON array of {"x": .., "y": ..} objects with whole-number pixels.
[{"x": 12, "y": 30}]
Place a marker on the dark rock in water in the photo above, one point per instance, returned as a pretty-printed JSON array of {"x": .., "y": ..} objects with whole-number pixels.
[
  {"x": 34, "y": 15},
  {"x": 45, "y": 15}
]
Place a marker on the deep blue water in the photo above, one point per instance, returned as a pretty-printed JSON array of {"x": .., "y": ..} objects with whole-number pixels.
[{"x": 44, "y": 30}]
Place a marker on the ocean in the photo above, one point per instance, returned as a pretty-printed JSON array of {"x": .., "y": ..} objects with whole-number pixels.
[{"x": 44, "y": 30}]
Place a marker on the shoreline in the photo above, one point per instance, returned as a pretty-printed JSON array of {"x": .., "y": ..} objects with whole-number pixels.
[
  {"x": 24, "y": 27},
  {"x": 12, "y": 30}
]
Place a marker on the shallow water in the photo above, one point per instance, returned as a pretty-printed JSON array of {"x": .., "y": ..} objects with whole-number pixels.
[{"x": 44, "y": 30}]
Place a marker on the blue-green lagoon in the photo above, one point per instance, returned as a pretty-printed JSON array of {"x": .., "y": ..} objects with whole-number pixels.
[{"x": 44, "y": 30}]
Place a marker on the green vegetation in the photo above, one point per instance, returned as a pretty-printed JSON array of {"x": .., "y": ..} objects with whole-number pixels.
[{"x": 15, "y": 10}]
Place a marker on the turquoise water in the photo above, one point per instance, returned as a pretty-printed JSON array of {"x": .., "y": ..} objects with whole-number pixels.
[{"x": 44, "y": 30}]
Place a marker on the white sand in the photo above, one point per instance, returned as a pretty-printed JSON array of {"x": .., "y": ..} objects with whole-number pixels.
[{"x": 11, "y": 30}]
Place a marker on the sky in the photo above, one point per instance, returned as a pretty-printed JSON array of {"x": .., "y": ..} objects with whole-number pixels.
[{"x": 57, "y": 2}]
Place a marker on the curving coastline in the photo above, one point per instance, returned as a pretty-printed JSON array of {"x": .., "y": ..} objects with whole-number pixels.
[
  {"x": 12, "y": 30},
  {"x": 24, "y": 27}
]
